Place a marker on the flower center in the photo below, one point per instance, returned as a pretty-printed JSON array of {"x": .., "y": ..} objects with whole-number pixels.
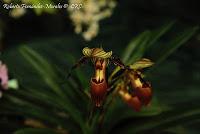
[{"x": 100, "y": 67}]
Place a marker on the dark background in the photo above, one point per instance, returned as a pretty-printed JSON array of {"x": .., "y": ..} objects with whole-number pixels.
[{"x": 176, "y": 81}]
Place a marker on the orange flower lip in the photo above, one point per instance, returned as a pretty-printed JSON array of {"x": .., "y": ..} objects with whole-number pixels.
[
  {"x": 144, "y": 94},
  {"x": 134, "y": 103},
  {"x": 98, "y": 83},
  {"x": 98, "y": 91},
  {"x": 141, "y": 89}
]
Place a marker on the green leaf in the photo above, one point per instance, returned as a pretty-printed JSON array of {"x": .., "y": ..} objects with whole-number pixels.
[
  {"x": 78, "y": 74},
  {"x": 156, "y": 34},
  {"x": 136, "y": 48},
  {"x": 119, "y": 111},
  {"x": 35, "y": 131},
  {"x": 162, "y": 121},
  {"x": 51, "y": 79},
  {"x": 30, "y": 107},
  {"x": 139, "y": 52},
  {"x": 176, "y": 43},
  {"x": 134, "y": 51},
  {"x": 42, "y": 67},
  {"x": 31, "y": 110},
  {"x": 136, "y": 44}
]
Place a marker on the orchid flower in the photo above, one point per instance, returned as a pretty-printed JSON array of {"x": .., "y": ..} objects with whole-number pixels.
[{"x": 98, "y": 83}]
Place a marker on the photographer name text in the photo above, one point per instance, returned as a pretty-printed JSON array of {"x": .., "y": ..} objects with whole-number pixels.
[{"x": 39, "y": 5}]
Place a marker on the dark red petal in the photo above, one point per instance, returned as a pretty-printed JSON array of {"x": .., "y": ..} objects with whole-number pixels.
[
  {"x": 98, "y": 91},
  {"x": 144, "y": 94},
  {"x": 134, "y": 103}
]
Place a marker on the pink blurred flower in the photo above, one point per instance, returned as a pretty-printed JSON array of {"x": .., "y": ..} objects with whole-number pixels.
[{"x": 3, "y": 76}]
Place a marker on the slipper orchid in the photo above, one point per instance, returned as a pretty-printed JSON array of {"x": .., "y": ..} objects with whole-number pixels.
[{"x": 98, "y": 83}]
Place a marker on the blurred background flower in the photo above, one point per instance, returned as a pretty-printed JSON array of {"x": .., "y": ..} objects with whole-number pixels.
[
  {"x": 3, "y": 76},
  {"x": 89, "y": 15},
  {"x": 4, "y": 79}
]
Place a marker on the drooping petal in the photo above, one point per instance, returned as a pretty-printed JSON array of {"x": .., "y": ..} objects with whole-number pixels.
[
  {"x": 132, "y": 101},
  {"x": 144, "y": 94},
  {"x": 141, "y": 88}
]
